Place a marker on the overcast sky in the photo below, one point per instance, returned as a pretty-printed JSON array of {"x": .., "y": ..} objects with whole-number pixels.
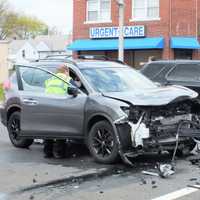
[{"x": 53, "y": 12}]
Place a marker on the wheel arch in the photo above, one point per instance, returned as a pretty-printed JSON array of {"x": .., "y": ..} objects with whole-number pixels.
[
  {"x": 96, "y": 118},
  {"x": 12, "y": 109}
]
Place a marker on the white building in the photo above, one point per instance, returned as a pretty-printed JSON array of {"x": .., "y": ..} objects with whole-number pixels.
[{"x": 27, "y": 50}]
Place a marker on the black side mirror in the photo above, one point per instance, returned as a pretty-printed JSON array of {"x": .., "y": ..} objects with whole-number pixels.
[{"x": 73, "y": 91}]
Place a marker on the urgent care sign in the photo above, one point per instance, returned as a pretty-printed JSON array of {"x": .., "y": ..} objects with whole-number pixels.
[{"x": 113, "y": 32}]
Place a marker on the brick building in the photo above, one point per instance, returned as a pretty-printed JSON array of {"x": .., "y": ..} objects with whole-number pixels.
[{"x": 166, "y": 29}]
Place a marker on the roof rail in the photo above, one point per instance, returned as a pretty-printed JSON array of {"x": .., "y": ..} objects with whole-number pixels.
[
  {"x": 59, "y": 56},
  {"x": 65, "y": 60},
  {"x": 99, "y": 57}
]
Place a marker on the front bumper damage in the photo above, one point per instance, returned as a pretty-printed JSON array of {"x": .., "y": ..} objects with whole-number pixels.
[{"x": 169, "y": 134}]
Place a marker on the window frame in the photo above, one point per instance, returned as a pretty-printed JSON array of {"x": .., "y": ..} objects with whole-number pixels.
[
  {"x": 99, "y": 20},
  {"x": 145, "y": 18},
  {"x": 21, "y": 85}
]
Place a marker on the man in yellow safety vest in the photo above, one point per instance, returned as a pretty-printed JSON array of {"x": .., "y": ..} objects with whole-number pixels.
[{"x": 56, "y": 86}]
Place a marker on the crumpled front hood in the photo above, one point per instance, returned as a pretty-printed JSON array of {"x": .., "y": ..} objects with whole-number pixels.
[{"x": 154, "y": 97}]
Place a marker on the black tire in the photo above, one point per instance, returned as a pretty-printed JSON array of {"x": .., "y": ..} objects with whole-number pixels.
[
  {"x": 14, "y": 130},
  {"x": 102, "y": 143}
]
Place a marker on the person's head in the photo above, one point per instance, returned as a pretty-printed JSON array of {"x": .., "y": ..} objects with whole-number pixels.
[
  {"x": 152, "y": 58},
  {"x": 63, "y": 69}
]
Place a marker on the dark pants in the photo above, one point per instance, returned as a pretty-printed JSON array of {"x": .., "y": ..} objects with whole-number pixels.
[{"x": 54, "y": 148}]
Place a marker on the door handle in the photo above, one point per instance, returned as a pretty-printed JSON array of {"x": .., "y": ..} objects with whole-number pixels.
[{"x": 30, "y": 102}]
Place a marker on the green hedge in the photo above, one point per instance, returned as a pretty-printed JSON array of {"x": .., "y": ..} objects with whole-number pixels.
[{"x": 1, "y": 92}]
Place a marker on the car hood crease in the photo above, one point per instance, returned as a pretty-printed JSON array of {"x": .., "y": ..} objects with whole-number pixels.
[{"x": 154, "y": 97}]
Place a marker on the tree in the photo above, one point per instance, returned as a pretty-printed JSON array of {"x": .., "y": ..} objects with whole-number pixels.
[
  {"x": 28, "y": 27},
  {"x": 22, "y": 26},
  {"x": 8, "y": 26}
]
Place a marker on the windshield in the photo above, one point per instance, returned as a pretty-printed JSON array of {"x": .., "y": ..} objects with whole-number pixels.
[{"x": 116, "y": 79}]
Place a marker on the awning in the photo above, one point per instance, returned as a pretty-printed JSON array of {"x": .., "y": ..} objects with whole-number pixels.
[
  {"x": 112, "y": 44},
  {"x": 184, "y": 43}
]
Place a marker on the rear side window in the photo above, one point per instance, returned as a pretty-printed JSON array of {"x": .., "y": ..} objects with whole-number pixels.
[
  {"x": 27, "y": 76},
  {"x": 185, "y": 72},
  {"x": 34, "y": 79},
  {"x": 152, "y": 70},
  {"x": 39, "y": 78}
]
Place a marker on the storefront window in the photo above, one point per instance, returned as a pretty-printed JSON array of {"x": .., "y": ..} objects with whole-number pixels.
[
  {"x": 145, "y": 9},
  {"x": 98, "y": 10},
  {"x": 183, "y": 54}
]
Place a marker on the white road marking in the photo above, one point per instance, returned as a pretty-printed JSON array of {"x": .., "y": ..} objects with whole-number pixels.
[{"x": 177, "y": 194}]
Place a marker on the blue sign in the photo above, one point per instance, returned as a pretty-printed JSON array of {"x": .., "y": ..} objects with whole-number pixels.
[{"x": 113, "y": 32}]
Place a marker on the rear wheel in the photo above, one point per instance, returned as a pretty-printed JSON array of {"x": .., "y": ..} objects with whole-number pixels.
[
  {"x": 102, "y": 143},
  {"x": 14, "y": 132}
]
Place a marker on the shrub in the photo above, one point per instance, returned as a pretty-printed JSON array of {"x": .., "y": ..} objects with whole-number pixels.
[{"x": 1, "y": 92}]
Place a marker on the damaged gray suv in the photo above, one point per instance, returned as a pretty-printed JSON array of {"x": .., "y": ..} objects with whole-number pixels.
[{"x": 115, "y": 111}]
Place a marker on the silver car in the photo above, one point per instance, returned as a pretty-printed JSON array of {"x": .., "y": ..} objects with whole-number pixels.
[{"x": 116, "y": 112}]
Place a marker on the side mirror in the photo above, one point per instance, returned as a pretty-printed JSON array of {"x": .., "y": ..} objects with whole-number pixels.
[{"x": 73, "y": 91}]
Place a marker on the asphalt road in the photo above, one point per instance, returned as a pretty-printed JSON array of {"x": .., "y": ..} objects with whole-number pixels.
[{"x": 25, "y": 174}]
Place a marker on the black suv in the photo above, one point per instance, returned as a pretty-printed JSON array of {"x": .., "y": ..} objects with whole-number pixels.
[{"x": 174, "y": 72}]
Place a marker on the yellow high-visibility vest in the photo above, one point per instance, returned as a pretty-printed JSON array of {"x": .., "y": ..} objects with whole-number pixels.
[{"x": 56, "y": 86}]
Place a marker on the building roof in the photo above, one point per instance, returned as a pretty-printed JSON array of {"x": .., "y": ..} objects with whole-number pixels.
[{"x": 54, "y": 43}]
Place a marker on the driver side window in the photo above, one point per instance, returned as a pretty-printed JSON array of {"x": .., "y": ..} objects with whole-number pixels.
[{"x": 37, "y": 80}]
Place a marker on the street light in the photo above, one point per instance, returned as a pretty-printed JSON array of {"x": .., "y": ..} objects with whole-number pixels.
[{"x": 121, "y": 30}]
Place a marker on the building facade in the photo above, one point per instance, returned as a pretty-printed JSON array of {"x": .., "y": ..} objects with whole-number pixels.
[
  {"x": 165, "y": 29},
  {"x": 3, "y": 60}
]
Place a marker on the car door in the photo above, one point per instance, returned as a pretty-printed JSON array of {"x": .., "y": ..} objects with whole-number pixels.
[
  {"x": 48, "y": 115},
  {"x": 185, "y": 74}
]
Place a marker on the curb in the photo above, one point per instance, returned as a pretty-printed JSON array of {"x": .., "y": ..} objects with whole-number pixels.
[{"x": 71, "y": 179}]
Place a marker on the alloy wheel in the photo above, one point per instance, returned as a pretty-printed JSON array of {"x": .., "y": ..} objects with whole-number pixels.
[{"x": 103, "y": 142}]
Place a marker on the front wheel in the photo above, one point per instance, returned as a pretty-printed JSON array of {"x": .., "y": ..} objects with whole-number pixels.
[
  {"x": 102, "y": 143},
  {"x": 14, "y": 132}
]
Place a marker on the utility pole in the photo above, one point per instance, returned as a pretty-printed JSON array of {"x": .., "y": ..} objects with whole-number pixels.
[{"x": 121, "y": 30}]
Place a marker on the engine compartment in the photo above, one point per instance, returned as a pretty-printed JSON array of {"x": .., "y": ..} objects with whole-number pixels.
[{"x": 155, "y": 127}]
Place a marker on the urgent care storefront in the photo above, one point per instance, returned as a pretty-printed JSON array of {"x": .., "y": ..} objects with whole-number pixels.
[
  {"x": 104, "y": 41},
  {"x": 165, "y": 29}
]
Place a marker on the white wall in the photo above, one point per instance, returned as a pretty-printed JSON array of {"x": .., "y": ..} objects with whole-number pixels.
[{"x": 30, "y": 53}]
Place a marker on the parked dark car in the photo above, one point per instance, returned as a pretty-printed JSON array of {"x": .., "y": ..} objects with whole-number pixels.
[
  {"x": 174, "y": 72},
  {"x": 116, "y": 111}
]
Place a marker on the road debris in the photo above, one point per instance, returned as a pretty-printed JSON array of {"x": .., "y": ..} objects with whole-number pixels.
[
  {"x": 31, "y": 197},
  {"x": 194, "y": 186},
  {"x": 34, "y": 180},
  {"x": 193, "y": 179},
  {"x": 154, "y": 186},
  {"x": 150, "y": 173},
  {"x": 143, "y": 181},
  {"x": 165, "y": 170}
]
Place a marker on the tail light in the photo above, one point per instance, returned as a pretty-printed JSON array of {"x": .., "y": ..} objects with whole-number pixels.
[{"x": 7, "y": 85}]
